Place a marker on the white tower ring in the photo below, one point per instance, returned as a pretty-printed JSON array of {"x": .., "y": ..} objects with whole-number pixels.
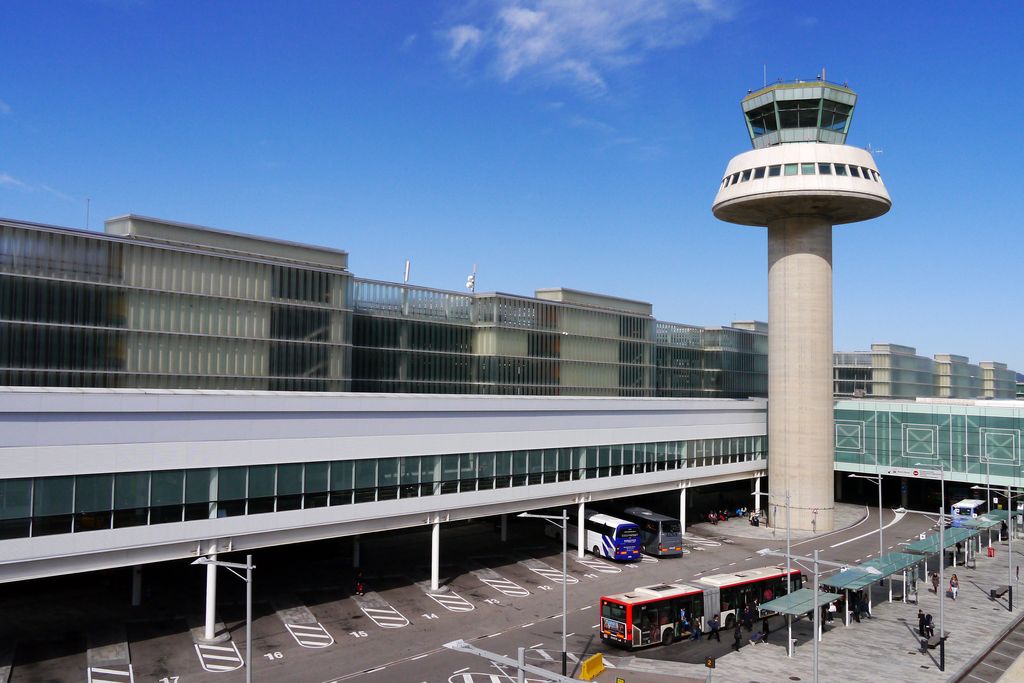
[{"x": 836, "y": 182}]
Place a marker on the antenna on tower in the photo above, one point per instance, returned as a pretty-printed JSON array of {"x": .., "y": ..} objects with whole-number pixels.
[
  {"x": 873, "y": 150},
  {"x": 471, "y": 280},
  {"x": 406, "y": 280},
  {"x": 88, "y": 201},
  {"x": 764, "y": 75}
]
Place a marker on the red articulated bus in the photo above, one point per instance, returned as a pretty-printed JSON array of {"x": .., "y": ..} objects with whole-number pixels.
[{"x": 663, "y": 613}]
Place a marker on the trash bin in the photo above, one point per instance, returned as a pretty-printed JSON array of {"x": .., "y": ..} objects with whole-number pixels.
[{"x": 991, "y": 551}]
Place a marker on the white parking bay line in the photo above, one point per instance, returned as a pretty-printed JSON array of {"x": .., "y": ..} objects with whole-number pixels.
[
  {"x": 103, "y": 675},
  {"x": 310, "y": 635}
]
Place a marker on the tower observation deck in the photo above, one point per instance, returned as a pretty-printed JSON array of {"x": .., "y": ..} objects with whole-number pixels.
[{"x": 800, "y": 179}]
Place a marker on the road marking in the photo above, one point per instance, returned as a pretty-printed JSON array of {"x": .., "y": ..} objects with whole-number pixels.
[
  {"x": 212, "y": 656},
  {"x": 648, "y": 559},
  {"x": 97, "y": 674},
  {"x": 500, "y": 583},
  {"x": 586, "y": 608},
  {"x": 731, "y": 563},
  {"x": 598, "y": 565},
  {"x": 386, "y": 618},
  {"x": 310, "y": 635},
  {"x": 461, "y": 670},
  {"x": 425, "y": 654},
  {"x": 899, "y": 516},
  {"x": 536, "y": 646},
  {"x": 549, "y": 573},
  {"x": 452, "y": 601}
]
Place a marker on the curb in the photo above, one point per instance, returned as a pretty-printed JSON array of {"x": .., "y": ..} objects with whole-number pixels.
[{"x": 984, "y": 652}]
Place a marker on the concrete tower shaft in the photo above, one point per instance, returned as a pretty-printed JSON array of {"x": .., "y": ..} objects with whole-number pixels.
[
  {"x": 800, "y": 417},
  {"x": 799, "y": 181}
]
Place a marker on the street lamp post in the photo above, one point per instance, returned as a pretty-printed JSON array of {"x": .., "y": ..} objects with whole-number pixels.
[
  {"x": 942, "y": 559},
  {"x": 564, "y": 518},
  {"x": 248, "y": 567}
]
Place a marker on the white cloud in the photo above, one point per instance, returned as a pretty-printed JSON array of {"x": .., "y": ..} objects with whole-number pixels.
[
  {"x": 463, "y": 40},
  {"x": 579, "y": 41},
  {"x": 409, "y": 41},
  {"x": 7, "y": 180},
  {"x": 4, "y": 107}
]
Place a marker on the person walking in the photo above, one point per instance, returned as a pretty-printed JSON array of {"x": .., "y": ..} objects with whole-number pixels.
[
  {"x": 954, "y": 586},
  {"x": 929, "y": 626},
  {"x": 715, "y": 626},
  {"x": 737, "y": 636},
  {"x": 764, "y": 629},
  {"x": 920, "y": 622},
  {"x": 935, "y": 582},
  {"x": 360, "y": 584}
]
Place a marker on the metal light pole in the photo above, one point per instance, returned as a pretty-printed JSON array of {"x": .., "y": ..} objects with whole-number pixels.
[
  {"x": 564, "y": 518},
  {"x": 248, "y": 567},
  {"x": 942, "y": 560}
]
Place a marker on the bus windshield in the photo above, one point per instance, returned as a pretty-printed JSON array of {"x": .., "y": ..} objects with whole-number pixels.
[{"x": 671, "y": 527}]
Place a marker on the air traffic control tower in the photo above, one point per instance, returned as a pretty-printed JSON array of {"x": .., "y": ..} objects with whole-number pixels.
[{"x": 800, "y": 179}]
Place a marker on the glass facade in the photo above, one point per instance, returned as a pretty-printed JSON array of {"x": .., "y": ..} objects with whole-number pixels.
[
  {"x": 88, "y": 310},
  {"x": 71, "y": 504},
  {"x": 716, "y": 362},
  {"x": 903, "y": 434}
]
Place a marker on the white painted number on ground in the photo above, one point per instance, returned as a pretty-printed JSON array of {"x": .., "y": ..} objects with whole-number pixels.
[
  {"x": 430, "y": 616},
  {"x": 274, "y": 655},
  {"x": 168, "y": 679},
  {"x": 310, "y": 635},
  {"x": 120, "y": 674},
  {"x": 219, "y": 658},
  {"x": 358, "y": 634},
  {"x": 492, "y": 601},
  {"x": 544, "y": 588},
  {"x": 386, "y": 618}
]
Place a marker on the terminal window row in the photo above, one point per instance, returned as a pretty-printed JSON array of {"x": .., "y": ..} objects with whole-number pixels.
[
  {"x": 57, "y": 505},
  {"x": 803, "y": 168}
]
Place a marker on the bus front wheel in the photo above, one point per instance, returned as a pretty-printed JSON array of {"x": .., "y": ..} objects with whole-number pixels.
[
  {"x": 730, "y": 622},
  {"x": 597, "y": 551},
  {"x": 666, "y": 637}
]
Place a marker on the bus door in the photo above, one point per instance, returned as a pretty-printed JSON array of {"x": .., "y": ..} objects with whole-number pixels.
[{"x": 712, "y": 606}]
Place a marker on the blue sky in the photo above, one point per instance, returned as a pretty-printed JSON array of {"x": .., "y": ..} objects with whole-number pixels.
[{"x": 551, "y": 142}]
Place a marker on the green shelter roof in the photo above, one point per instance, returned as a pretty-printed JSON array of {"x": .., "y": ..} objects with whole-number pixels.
[
  {"x": 931, "y": 544},
  {"x": 853, "y": 578},
  {"x": 798, "y": 602},
  {"x": 892, "y": 563}
]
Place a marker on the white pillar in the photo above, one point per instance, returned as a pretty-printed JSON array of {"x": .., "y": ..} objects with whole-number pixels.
[
  {"x": 211, "y": 600},
  {"x": 435, "y": 556},
  {"x": 846, "y": 608},
  {"x": 682, "y": 510},
  {"x": 504, "y": 528},
  {"x": 757, "y": 493},
  {"x": 355, "y": 551},
  {"x": 136, "y": 585},
  {"x": 581, "y": 532}
]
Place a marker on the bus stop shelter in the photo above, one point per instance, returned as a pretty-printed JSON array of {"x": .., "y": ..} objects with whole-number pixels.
[
  {"x": 930, "y": 544},
  {"x": 891, "y": 564},
  {"x": 982, "y": 523},
  {"x": 852, "y": 579},
  {"x": 798, "y": 602}
]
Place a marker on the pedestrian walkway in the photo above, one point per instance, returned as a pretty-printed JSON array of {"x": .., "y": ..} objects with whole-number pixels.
[
  {"x": 846, "y": 515},
  {"x": 885, "y": 647}
]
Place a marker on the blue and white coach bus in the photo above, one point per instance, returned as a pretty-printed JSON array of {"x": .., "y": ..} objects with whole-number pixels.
[{"x": 607, "y": 536}]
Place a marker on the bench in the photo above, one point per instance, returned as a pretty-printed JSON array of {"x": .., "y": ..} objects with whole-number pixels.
[
  {"x": 933, "y": 642},
  {"x": 997, "y": 593}
]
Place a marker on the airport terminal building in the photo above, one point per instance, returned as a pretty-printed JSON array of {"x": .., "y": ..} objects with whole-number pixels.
[{"x": 173, "y": 391}]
